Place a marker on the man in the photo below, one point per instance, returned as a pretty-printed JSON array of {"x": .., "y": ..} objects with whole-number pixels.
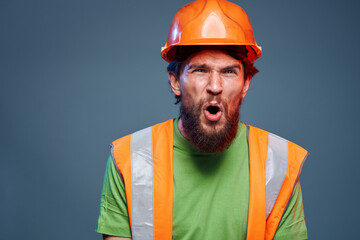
[{"x": 205, "y": 175}]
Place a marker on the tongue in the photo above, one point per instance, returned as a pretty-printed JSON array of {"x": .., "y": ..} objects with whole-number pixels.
[{"x": 213, "y": 117}]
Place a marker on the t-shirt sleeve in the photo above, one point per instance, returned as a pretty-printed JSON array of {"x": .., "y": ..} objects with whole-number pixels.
[
  {"x": 292, "y": 224},
  {"x": 113, "y": 218}
]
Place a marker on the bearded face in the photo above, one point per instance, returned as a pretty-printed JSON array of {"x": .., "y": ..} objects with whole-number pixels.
[{"x": 211, "y": 87}]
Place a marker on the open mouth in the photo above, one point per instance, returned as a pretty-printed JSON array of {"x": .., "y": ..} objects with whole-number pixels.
[
  {"x": 212, "y": 109},
  {"x": 213, "y": 112}
]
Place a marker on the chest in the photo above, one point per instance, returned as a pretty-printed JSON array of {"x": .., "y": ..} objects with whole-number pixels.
[{"x": 211, "y": 196}]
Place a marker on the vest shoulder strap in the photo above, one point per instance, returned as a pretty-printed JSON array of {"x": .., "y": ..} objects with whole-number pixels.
[
  {"x": 282, "y": 162},
  {"x": 144, "y": 161}
]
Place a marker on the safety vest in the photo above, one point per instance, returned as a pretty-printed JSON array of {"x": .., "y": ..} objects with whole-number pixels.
[{"x": 145, "y": 163}]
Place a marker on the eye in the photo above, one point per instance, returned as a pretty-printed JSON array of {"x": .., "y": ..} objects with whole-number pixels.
[
  {"x": 230, "y": 71},
  {"x": 200, "y": 70}
]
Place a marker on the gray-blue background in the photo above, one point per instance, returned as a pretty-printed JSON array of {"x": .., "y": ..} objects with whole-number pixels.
[{"x": 75, "y": 75}]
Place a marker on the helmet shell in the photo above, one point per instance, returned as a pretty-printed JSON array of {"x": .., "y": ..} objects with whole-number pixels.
[{"x": 211, "y": 22}]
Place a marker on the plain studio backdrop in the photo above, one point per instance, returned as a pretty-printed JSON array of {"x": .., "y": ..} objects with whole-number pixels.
[{"x": 77, "y": 74}]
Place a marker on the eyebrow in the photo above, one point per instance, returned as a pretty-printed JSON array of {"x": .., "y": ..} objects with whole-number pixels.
[
  {"x": 192, "y": 66},
  {"x": 232, "y": 66}
]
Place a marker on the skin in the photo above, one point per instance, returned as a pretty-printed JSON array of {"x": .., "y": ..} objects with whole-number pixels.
[
  {"x": 107, "y": 237},
  {"x": 211, "y": 74}
]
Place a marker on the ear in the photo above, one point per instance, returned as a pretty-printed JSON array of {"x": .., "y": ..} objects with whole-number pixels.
[
  {"x": 174, "y": 83},
  {"x": 246, "y": 86}
]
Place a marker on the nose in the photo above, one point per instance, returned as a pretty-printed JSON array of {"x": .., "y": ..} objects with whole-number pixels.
[{"x": 215, "y": 84}]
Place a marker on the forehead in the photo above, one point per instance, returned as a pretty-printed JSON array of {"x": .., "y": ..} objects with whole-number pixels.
[{"x": 212, "y": 58}]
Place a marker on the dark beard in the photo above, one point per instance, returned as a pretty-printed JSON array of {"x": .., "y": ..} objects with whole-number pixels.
[{"x": 210, "y": 142}]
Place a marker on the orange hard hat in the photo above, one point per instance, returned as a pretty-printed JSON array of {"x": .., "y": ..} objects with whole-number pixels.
[{"x": 211, "y": 22}]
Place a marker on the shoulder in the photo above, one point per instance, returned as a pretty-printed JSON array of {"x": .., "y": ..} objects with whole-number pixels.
[
  {"x": 166, "y": 126},
  {"x": 271, "y": 138},
  {"x": 156, "y": 137},
  {"x": 270, "y": 150}
]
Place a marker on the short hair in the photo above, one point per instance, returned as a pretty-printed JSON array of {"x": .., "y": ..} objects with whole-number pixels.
[{"x": 184, "y": 52}]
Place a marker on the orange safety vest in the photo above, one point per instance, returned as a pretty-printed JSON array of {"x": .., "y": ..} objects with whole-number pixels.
[{"x": 144, "y": 161}]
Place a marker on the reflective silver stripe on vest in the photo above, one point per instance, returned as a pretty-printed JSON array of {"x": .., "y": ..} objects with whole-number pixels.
[
  {"x": 142, "y": 191},
  {"x": 275, "y": 171}
]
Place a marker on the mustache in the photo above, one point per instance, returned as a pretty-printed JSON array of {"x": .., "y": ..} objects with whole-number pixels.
[{"x": 217, "y": 99}]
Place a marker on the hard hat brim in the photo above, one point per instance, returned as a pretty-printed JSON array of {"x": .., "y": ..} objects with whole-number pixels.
[{"x": 168, "y": 53}]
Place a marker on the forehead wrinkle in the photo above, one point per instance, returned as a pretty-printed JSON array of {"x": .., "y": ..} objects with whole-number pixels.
[{"x": 202, "y": 60}]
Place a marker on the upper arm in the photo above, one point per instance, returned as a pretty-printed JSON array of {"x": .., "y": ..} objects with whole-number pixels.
[
  {"x": 107, "y": 237},
  {"x": 292, "y": 224},
  {"x": 113, "y": 218}
]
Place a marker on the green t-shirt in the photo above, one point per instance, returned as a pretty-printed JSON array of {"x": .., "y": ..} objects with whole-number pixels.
[{"x": 211, "y": 196}]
